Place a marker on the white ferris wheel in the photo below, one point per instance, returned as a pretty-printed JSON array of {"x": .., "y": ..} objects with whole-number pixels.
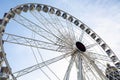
[{"x": 38, "y": 40}]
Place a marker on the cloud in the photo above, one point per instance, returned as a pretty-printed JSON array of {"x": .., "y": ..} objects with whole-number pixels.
[{"x": 102, "y": 17}]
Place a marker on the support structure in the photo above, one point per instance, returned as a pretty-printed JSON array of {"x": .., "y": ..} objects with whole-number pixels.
[{"x": 79, "y": 67}]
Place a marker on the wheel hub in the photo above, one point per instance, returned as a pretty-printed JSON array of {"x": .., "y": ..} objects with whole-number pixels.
[{"x": 80, "y": 46}]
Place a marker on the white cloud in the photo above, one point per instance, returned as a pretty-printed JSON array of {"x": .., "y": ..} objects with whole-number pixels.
[{"x": 101, "y": 17}]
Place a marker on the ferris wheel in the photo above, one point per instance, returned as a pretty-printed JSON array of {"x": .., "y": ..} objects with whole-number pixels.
[{"x": 44, "y": 41}]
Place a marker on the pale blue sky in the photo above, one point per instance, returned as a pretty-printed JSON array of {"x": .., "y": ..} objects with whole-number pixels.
[{"x": 103, "y": 16}]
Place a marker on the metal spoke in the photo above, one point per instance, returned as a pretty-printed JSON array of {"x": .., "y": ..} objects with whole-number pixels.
[
  {"x": 32, "y": 42},
  {"x": 40, "y": 65},
  {"x": 64, "y": 28},
  {"x": 36, "y": 28},
  {"x": 81, "y": 36},
  {"x": 46, "y": 65},
  {"x": 89, "y": 69},
  {"x": 71, "y": 31},
  {"x": 67, "y": 74},
  {"x": 97, "y": 56},
  {"x": 102, "y": 76},
  {"x": 55, "y": 31},
  {"x": 79, "y": 67},
  {"x": 91, "y": 45},
  {"x": 56, "y": 25},
  {"x": 61, "y": 24},
  {"x": 86, "y": 70},
  {"x": 86, "y": 77},
  {"x": 49, "y": 26}
]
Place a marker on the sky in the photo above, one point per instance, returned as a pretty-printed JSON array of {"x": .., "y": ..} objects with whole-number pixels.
[{"x": 102, "y": 16}]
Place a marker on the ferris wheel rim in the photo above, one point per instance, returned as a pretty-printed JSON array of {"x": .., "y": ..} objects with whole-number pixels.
[
  {"x": 76, "y": 22},
  {"x": 12, "y": 9}
]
